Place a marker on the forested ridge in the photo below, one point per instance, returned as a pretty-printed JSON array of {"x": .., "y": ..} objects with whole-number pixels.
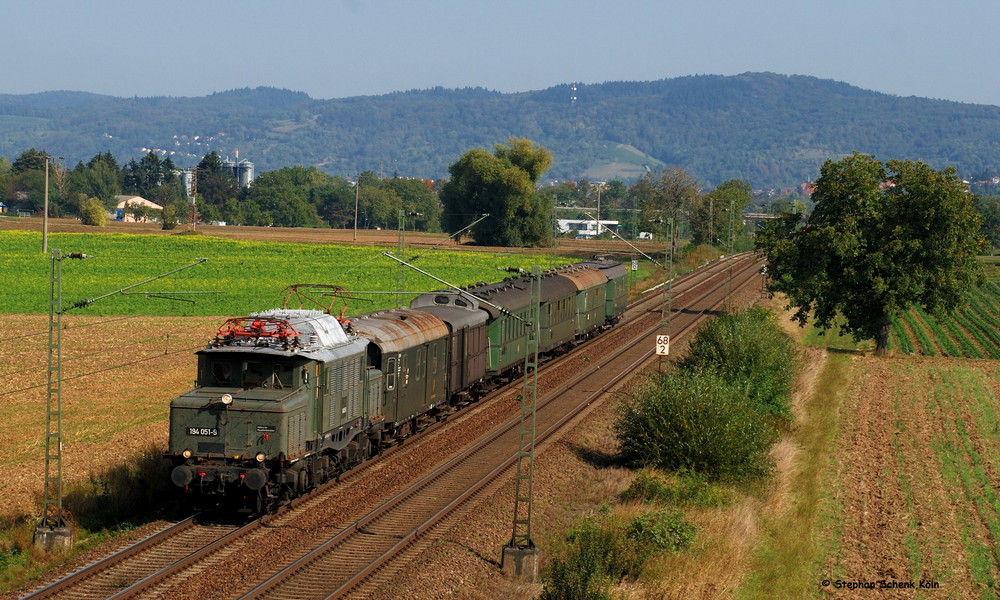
[{"x": 771, "y": 130}]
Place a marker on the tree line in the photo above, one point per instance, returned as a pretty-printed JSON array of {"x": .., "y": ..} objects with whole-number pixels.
[
  {"x": 503, "y": 183},
  {"x": 288, "y": 197}
]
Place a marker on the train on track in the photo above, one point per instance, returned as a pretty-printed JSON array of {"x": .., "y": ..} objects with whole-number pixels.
[{"x": 287, "y": 399}]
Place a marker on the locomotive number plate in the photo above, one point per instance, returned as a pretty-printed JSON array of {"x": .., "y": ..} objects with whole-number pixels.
[{"x": 207, "y": 431}]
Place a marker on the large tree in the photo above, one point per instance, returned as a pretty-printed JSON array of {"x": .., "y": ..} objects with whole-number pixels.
[
  {"x": 152, "y": 178},
  {"x": 989, "y": 207},
  {"x": 417, "y": 196},
  {"x": 335, "y": 202},
  {"x": 502, "y": 185},
  {"x": 881, "y": 239},
  {"x": 281, "y": 198},
  {"x": 27, "y": 180},
  {"x": 29, "y": 160}
]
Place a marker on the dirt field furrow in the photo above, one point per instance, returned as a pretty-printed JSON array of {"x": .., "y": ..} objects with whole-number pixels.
[
  {"x": 115, "y": 399},
  {"x": 917, "y": 469},
  {"x": 935, "y": 557},
  {"x": 875, "y": 515}
]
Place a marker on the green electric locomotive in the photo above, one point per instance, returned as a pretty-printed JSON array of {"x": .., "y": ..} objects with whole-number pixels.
[{"x": 284, "y": 399}]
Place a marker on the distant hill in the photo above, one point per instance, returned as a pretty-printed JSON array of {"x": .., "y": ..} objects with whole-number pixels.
[{"x": 772, "y": 130}]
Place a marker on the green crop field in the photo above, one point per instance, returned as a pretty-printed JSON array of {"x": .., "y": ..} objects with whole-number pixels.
[
  {"x": 237, "y": 277},
  {"x": 972, "y": 332}
]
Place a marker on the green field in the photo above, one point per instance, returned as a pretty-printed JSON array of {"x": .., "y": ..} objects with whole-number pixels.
[
  {"x": 238, "y": 277},
  {"x": 972, "y": 332}
]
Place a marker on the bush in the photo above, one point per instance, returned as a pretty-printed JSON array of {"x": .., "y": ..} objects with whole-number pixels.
[
  {"x": 657, "y": 532},
  {"x": 602, "y": 555},
  {"x": 584, "y": 574},
  {"x": 686, "y": 488},
  {"x": 169, "y": 217},
  {"x": 16, "y": 543},
  {"x": 92, "y": 212},
  {"x": 749, "y": 350},
  {"x": 696, "y": 422},
  {"x": 136, "y": 489}
]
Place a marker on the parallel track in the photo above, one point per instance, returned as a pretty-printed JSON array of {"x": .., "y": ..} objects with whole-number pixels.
[
  {"x": 385, "y": 532},
  {"x": 136, "y": 566},
  {"x": 359, "y": 552}
]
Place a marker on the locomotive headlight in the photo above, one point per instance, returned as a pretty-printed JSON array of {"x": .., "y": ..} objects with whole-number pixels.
[
  {"x": 260, "y": 457},
  {"x": 186, "y": 453},
  {"x": 227, "y": 399}
]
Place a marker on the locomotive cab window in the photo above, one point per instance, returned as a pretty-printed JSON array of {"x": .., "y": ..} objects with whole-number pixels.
[
  {"x": 283, "y": 375},
  {"x": 253, "y": 374},
  {"x": 276, "y": 375},
  {"x": 222, "y": 373},
  {"x": 218, "y": 371}
]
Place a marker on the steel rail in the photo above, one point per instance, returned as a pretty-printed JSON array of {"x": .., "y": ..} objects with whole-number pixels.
[
  {"x": 296, "y": 571},
  {"x": 167, "y": 568}
]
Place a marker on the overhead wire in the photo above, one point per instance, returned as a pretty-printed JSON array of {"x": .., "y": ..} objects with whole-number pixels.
[
  {"x": 69, "y": 327},
  {"x": 99, "y": 353},
  {"x": 104, "y": 370}
]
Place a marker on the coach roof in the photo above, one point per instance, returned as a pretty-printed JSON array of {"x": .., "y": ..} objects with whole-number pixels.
[{"x": 398, "y": 329}]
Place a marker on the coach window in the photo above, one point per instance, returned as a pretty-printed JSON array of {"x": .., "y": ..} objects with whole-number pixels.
[
  {"x": 390, "y": 374},
  {"x": 421, "y": 363}
]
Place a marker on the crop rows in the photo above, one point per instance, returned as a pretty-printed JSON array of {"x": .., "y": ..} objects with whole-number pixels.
[
  {"x": 972, "y": 332},
  {"x": 239, "y": 276}
]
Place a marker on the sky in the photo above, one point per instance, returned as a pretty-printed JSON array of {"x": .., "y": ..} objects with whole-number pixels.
[{"x": 344, "y": 48}]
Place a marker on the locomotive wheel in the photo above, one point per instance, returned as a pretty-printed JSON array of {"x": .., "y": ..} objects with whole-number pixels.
[
  {"x": 364, "y": 449},
  {"x": 282, "y": 494},
  {"x": 353, "y": 452},
  {"x": 324, "y": 473},
  {"x": 338, "y": 465},
  {"x": 423, "y": 422},
  {"x": 375, "y": 446},
  {"x": 265, "y": 503}
]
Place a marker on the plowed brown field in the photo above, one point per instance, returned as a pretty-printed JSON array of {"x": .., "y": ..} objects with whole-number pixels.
[
  {"x": 118, "y": 377},
  {"x": 913, "y": 488}
]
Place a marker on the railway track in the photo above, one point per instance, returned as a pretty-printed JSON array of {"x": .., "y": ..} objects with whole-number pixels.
[
  {"x": 356, "y": 555},
  {"x": 360, "y": 551},
  {"x": 137, "y": 566}
]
